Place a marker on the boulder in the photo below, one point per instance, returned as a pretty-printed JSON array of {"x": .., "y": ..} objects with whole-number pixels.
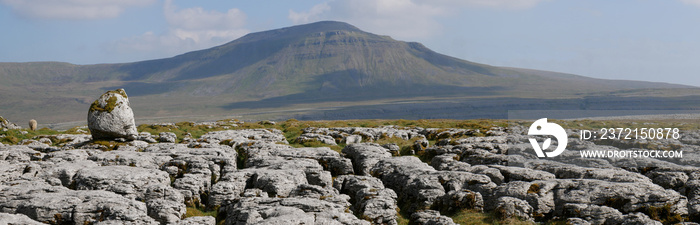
[
  {"x": 7, "y": 125},
  {"x": 430, "y": 217},
  {"x": 509, "y": 207},
  {"x": 7, "y": 218},
  {"x": 538, "y": 194},
  {"x": 352, "y": 139},
  {"x": 310, "y": 137},
  {"x": 198, "y": 220},
  {"x": 164, "y": 203},
  {"x": 59, "y": 205},
  {"x": 624, "y": 197},
  {"x": 365, "y": 155},
  {"x": 111, "y": 117},
  {"x": 236, "y": 137},
  {"x": 167, "y": 137},
  {"x": 638, "y": 219},
  {"x": 125, "y": 180},
  {"x": 369, "y": 198},
  {"x": 258, "y": 210},
  {"x": 593, "y": 213},
  {"x": 422, "y": 187}
]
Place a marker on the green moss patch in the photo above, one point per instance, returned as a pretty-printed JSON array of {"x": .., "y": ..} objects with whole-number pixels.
[{"x": 109, "y": 107}]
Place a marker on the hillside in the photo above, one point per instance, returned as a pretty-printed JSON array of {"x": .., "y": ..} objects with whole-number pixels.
[{"x": 323, "y": 65}]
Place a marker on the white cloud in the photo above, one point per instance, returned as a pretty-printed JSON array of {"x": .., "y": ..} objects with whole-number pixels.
[
  {"x": 691, "y": 2},
  {"x": 312, "y": 14},
  {"x": 402, "y": 19},
  {"x": 188, "y": 29},
  {"x": 501, "y": 4},
  {"x": 399, "y": 18},
  {"x": 72, "y": 9}
]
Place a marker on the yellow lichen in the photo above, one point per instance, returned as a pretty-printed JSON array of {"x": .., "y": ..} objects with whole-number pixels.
[{"x": 109, "y": 107}]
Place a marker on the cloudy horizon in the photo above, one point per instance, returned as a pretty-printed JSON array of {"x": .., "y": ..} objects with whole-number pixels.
[{"x": 630, "y": 40}]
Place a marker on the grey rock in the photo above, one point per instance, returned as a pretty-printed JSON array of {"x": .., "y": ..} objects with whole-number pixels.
[
  {"x": 329, "y": 159},
  {"x": 538, "y": 194},
  {"x": 693, "y": 194},
  {"x": 421, "y": 185},
  {"x": 56, "y": 204},
  {"x": 352, "y": 139},
  {"x": 167, "y": 137},
  {"x": 19, "y": 153},
  {"x": 147, "y": 137},
  {"x": 327, "y": 194},
  {"x": 411, "y": 179},
  {"x": 198, "y": 220},
  {"x": 492, "y": 173},
  {"x": 308, "y": 137},
  {"x": 65, "y": 171},
  {"x": 625, "y": 197},
  {"x": 7, "y": 218},
  {"x": 229, "y": 188},
  {"x": 369, "y": 134},
  {"x": 394, "y": 149},
  {"x": 111, "y": 117},
  {"x": 73, "y": 140},
  {"x": 509, "y": 207},
  {"x": 568, "y": 171},
  {"x": 449, "y": 162},
  {"x": 128, "y": 158},
  {"x": 430, "y": 217},
  {"x": 576, "y": 221},
  {"x": 45, "y": 141},
  {"x": 365, "y": 155},
  {"x": 669, "y": 179},
  {"x": 164, "y": 203},
  {"x": 68, "y": 156},
  {"x": 484, "y": 157},
  {"x": 313, "y": 170},
  {"x": 236, "y": 137},
  {"x": 511, "y": 173},
  {"x": 11, "y": 171},
  {"x": 637, "y": 219},
  {"x": 7, "y": 125},
  {"x": 128, "y": 181},
  {"x": 593, "y": 213},
  {"x": 254, "y": 192},
  {"x": 452, "y": 133},
  {"x": 195, "y": 170},
  {"x": 278, "y": 182},
  {"x": 258, "y": 210},
  {"x": 454, "y": 200},
  {"x": 420, "y": 144},
  {"x": 36, "y": 145},
  {"x": 369, "y": 198}
]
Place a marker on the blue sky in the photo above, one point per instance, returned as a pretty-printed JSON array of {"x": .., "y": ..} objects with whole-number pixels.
[{"x": 651, "y": 40}]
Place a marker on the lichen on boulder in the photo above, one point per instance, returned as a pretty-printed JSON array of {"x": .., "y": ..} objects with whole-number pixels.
[{"x": 111, "y": 117}]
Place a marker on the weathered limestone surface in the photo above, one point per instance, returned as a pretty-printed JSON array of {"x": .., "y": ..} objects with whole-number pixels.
[{"x": 253, "y": 176}]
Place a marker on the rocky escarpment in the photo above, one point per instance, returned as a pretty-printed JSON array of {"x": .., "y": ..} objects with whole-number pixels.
[{"x": 254, "y": 176}]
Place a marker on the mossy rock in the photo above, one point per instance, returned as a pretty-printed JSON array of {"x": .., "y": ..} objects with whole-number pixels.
[{"x": 111, "y": 102}]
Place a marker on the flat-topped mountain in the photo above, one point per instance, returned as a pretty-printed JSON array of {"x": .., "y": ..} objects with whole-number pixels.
[{"x": 325, "y": 65}]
